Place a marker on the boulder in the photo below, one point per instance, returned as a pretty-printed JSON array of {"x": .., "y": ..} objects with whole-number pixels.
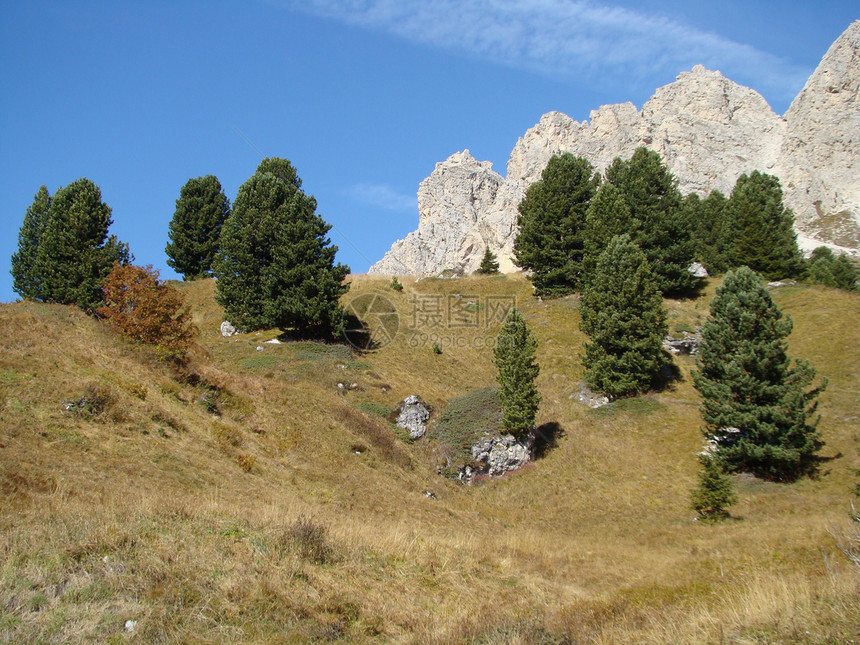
[
  {"x": 687, "y": 344},
  {"x": 697, "y": 270},
  {"x": 495, "y": 455},
  {"x": 227, "y": 329},
  {"x": 502, "y": 454},
  {"x": 413, "y": 416},
  {"x": 589, "y": 398}
]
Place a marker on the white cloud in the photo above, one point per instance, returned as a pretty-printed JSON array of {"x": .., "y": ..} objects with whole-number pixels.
[
  {"x": 565, "y": 38},
  {"x": 383, "y": 196}
]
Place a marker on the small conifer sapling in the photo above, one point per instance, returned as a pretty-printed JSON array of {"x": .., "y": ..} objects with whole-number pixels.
[
  {"x": 489, "y": 263},
  {"x": 714, "y": 491}
]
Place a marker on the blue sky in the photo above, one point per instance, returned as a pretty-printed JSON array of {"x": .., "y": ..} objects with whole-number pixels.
[{"x": 363, "y": 96}]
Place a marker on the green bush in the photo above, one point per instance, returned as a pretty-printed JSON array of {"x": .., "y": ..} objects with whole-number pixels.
[{"x": 465, "y": 420}]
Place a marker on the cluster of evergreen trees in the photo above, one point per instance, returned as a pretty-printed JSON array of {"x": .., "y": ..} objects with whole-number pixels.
[
  {"x": 64, "y": 250},
  {"x": 274, "y": 264},
  {"x": 624, "y": 239},
  {"x": 568, "y": 218},
  {"x": 628, "y": 238}
]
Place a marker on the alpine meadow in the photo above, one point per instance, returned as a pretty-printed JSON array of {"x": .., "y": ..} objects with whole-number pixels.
[{"x": 609, "y": 397}]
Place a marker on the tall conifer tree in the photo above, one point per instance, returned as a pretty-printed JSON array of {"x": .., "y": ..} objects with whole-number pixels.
[
  {"x": 75, "y": 253},
  {"x": 551, "y": 220},
  {"x": 707, "y": 220},
  {"x": 623, "y": 315},
  {"x": 608, "y": 215},
  {"x": 761, "y": 228},
  {"x": 662, "y": 231},
  {"x": 275, "y": 266},
  {"x": 515, "y": 359},
  {"x": 756, "y": 406},
  {"x": 25, "y": 278},
  {"x": 195, "y": 228}
]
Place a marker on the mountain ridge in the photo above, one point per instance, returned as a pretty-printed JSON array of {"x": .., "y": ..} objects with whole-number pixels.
[{"x": 708, "y": 129}]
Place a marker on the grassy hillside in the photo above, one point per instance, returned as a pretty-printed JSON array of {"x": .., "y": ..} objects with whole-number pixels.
[{"x": 249, "y": 498}]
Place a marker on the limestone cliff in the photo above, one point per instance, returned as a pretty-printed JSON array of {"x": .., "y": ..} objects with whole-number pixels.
[
  {"x": 464, "y": 206},
  {"x": 819, "y": 163},
  {"x": 709, "y": 131}
]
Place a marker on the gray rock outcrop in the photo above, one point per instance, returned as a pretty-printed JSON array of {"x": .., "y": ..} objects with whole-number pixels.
[
  {"x": 495, "y": 455},
  {"x": 708, "y": 129},
  {"x": 588, "y": 397},
  {"x": 819, "y": 163},
  {"x": 464, "y": 206},
  {"x": 413, "y": 416},
  {"x": 687, "y": 344}
]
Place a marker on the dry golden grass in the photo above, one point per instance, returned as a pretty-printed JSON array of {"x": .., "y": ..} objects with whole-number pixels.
[{"x": 226, "y": 502}]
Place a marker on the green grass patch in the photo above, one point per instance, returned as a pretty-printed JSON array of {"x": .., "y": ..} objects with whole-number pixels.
[
  {"x": 8, "y": 620},
  {"x": 633, "y": 406},
  {"x": 322, "y": 353},
  {"x": 465, "y": 419},
  {"x": 375, "y": 408},
  {"x": 11, "y": 376},
  {"x": 260, "y": 362}
]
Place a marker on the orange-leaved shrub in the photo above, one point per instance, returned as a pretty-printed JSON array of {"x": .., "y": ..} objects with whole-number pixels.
[{"x": 138, "y": 305}]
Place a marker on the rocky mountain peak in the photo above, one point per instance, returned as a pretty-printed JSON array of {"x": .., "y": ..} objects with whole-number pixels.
[
  {"x": 464, "y": 206},
  {"x": 708, "y": 129}
]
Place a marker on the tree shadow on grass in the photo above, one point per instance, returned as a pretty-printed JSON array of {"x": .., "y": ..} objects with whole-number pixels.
[
  {"x": 546, "y": 438},
  {"x": 668, "y": 376},
  {"x": 358, "y": 334}
]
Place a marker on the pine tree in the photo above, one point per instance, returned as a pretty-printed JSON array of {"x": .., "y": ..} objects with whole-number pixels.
[
  {"x": 25, "y": 278},
  {"x": 195, "y": 228},
  {"x": 845, "y": 273},
  {"x": 515, "y": 359},
  {"x": 662, "y": 231},
  {"x": 607, "y": 216},
  {"x": 551, "y": 219},
  {"x": 823, "y": 267},
  {"x": 714, "y": 491},
  {"x": 275, "y": 266},
  {"x": 706, "y": 218},
  {"x": 761, "y": 228},
  {"x": 755, "y": 405},
  {"x": 75, "y": 253},
  {"x": 623, "y": 315},
  {"x": 489, "y": 264}
]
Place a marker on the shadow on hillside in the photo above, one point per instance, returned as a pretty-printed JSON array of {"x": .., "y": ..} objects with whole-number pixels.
[
  {"x": 546, "y": 438},
  {"x": 669, "y": 375},
  {"x": 358, "y": 334},
  {"x": 354, "y": 331}
]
